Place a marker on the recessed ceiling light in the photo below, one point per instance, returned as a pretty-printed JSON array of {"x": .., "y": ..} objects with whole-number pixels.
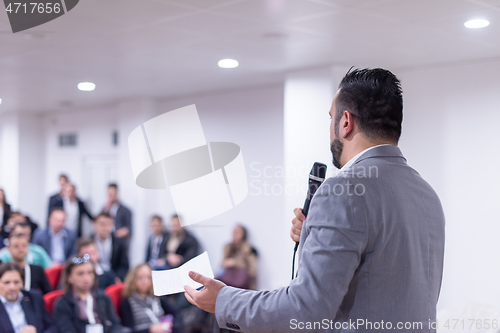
[
  {"x": 228, "y": 63},
  {"x": 0, "y": 101},
  {"x": 86, "y": 86},
  {"x": 474, "y": 24}
]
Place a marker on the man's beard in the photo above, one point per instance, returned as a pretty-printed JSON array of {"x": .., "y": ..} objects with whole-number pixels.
[{"x": 336, "y": 148}]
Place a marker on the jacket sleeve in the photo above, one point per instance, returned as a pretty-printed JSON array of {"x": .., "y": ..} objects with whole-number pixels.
[
  {"x": 170, "y": 308},
  {"x": 333, "y": 240},
  {"x": 116, "y": 326},
  {"x": 192, "y": 248},
  {"x": 63, "y": 314},
  {"x": 126, "y": 313},
  {"x": 123, "y": 263}
]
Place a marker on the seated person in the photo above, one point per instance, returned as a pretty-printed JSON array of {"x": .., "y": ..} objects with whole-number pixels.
[
  {"x": 84, "y": 308},
  {"x": 178, "y": 245},
  {"x": 87, "y": 246},
  {"x": 34, "y": 275},
  {"x": 21, "y": 311},
  {"x": 17, "y": 217},
  {"x": 240, "y": 256},
  {"x": 113, "y": 251},
  {"x": 142, "y": 311},
  {"x": 36, "y": 254},
  {"x": 154, "y": 244},
  {"x": 56, "y": 239}
]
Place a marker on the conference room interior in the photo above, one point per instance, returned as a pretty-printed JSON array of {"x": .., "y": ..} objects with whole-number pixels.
[{"x": 149, "y": 57}]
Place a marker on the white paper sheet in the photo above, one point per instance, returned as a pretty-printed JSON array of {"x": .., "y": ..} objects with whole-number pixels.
[{"x": 173, "y": 280}]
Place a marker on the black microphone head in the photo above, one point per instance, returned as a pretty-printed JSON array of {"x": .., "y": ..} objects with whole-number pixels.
[{"x": 318, "y": 170}]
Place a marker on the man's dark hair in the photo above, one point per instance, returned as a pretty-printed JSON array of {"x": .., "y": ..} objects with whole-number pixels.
[
  {"x": 113, "y": 185},
  {"x": 157, "y": 217},
  {"x": 175, "y": 216},
  {"x": 375, "y": 98},
  {"x": 62, "y": 175},
  {"x": 8, "y": 267},
  {"x": 57, "y": 209},
  {"x": 103, "y": 214},
  {"x": 83, "y": 242},
  {"x": 14, "y": 231}
]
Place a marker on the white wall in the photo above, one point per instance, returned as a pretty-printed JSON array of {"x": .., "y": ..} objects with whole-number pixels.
[{"x": 451, "y": 136}]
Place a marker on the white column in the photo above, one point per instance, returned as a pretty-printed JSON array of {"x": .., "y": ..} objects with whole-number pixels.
[
  {"x": 21, "y": 158},
  {"x": 308, "y": 98}
]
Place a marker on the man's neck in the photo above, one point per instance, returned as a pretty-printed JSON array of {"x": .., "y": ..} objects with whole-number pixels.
[
  {"x": 18, "y": 262},
  {"x": 55, "y": 232},
  {"x": 102, "y": 239},
  {"x": 357, "y": 147}
]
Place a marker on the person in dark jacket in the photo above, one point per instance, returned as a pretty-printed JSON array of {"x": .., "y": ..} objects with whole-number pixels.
[
  {"x": 155, "y": 242},
  {"x": 20, "y": 310},
  {"x": 121, "y": 214},
  {"x": 178, "y": 245},
  {"x": 71, "y": 313},
  {"x": 113, "y": 251},
  {"x": 4, "y": 208},
  {"x": 143, "y": 312},
  {"x": 87, "y": 246},
  {"x": 56, "y": 239},
  {"x": 74, "y": 207},
  {"x": 63, "y": 179},
  {"x": 34, "y": 275}
]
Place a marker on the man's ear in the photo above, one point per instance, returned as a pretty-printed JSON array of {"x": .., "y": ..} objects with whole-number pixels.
[{"x": 346, "y": 124}]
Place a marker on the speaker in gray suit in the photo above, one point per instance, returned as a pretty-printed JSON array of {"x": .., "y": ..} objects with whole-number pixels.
[{"x": 372, "y": 246}]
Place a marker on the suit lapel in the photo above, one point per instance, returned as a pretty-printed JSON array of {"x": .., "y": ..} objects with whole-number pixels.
[
  {"x": 27, "y": 305},
  {"x": 4, "y": 320}
]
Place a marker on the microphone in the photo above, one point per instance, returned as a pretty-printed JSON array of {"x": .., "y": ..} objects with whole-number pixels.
[{"x": 316, "y": 178}]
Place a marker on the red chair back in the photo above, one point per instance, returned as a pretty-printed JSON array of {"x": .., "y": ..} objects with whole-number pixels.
[
  {"x": 54, "y": 275},
  {"x": 50, "y": 299},
  {"x": 115, "y": 293}
]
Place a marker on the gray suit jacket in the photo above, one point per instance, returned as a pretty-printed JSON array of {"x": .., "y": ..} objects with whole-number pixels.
[{"x": 371, "y": 250}]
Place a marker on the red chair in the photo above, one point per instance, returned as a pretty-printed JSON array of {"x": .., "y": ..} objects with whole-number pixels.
[
  {"x": 50, "y": 299},
  {"x": 115, "y": 293},
  {"x": 54, "y": 275}
]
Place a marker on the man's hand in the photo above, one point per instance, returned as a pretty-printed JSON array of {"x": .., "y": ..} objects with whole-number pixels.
[
  {"x": 230, "y": 262},
  {"x": 297, "y": 224},
  {"x": 28, "y": 329},
  {"x": 206, "y": 297},
  {"x": 174, "y": 260},
  {"x": 122, "y": 232}
]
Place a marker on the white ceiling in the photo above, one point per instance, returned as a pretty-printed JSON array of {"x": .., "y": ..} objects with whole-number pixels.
[{"x": 165, "y": 48}]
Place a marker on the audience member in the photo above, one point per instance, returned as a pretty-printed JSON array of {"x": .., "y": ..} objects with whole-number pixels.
[
  {"x": 240, "y": 261},
  {"x": 142, "y": 311},
  {"x": 178, "y": 245},
  {"x": 4, "y": 209},
  {"x": 113, "y": 251},
  {"x": 21, "y": 311},
  {"x": 17, "y": 217},
  {"x": 84, "y": 308},
  {"x": 74, "y": 207},
  {"x": 154, "y": 244},
  {"x": 36, "y": 254},
  {"x": 88, "y": 246},
  {"x": 54, "y": 199},
  {"x": 121, "y": 214},
  {"x": 34, "y": 275},
  {"x": 56, "y": 239}
]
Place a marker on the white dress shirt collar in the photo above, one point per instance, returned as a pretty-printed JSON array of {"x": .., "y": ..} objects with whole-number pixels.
[{"x": 355, "y": 158}]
